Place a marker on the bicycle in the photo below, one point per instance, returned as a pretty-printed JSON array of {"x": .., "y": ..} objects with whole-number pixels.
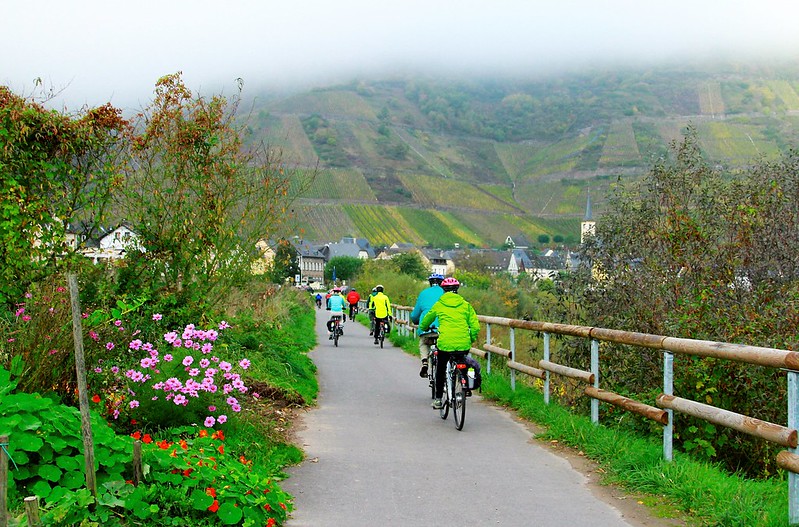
[
  {"x": 380, "y": 331},
  {"x": 455, "y": 388},
  {"x": 353, "y": 311},
  {"x": 338, "y": 331}
]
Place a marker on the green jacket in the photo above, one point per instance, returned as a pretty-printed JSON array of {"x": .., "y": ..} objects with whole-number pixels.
[{"x": 458, "y": 326}]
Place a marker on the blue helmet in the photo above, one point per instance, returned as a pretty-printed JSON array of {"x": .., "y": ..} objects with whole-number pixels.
[{"x": 435, "y": 278}]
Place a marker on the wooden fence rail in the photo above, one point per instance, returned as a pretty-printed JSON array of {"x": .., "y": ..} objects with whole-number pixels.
[{"x": 785, "y": 360}]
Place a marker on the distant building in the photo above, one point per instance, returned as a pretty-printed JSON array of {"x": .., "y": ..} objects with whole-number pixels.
[
  {"x": 588, "y": 225},
  {"x": 112, "y": 244}
]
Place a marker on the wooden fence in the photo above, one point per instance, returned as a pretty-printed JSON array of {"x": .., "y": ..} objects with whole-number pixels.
[{"x": 666, "y": 404}]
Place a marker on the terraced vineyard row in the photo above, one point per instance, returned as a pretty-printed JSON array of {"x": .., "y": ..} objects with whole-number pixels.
[
  {"x": 620, "y": 146},
  {"x": 436, "y": 192},
  {"x": 734, "y": 142},
  {"x": 786, "y": 93},
  {"x": 561, "y": 156},
  {"x": 431, "y": 227},
  {"x": 340, "y": 184},
  {"x": 381, "y": 225},
  {"x": 710, "y": 100},
  {"x": 324, "y": 223}
]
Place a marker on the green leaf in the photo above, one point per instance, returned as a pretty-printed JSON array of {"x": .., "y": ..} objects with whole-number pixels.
[
  {"x": 229, "y": 513},
  {"x": 200, "y": 500},
  {"x": 68, "y": 463},
  {"x": 41, "y": 488},
  {"x": 50, "y": 472},
  {"x": 73, "y": 479}
]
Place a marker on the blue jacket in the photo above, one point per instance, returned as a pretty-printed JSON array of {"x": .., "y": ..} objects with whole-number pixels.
[
  {"x": 336, "y": 304},
  {"x": 424, "y": 302}
]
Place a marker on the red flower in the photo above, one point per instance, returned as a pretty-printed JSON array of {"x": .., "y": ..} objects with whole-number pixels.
[
  {"x": 283, "y": 505},
  {"x": 268, "y": 507},
  {"x": 203, "y": 433},
  {"x": 96, "y": 398},
  {"x": 211, "y": 492},
  {"x": 136, "y": 435},
  {"x": 183, "y": 444},
  {"x": 214, "y": 506},
  {"x": 163, "y": 444},
  {"x": 270, "y": 522},
  {"x": 147, "y": 438},
  {"x": 221, "y": 449}
]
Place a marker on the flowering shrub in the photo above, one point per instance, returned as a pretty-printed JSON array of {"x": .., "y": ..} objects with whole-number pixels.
[
  {"x": 187, "y": 381},
  {"x": 37, "y": 333}
]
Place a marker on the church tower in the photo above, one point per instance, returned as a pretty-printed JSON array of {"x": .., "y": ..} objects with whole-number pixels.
[{"x": 588, "y": 225}]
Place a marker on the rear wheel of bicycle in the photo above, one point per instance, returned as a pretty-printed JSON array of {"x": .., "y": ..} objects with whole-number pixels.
[
  {"x": 444, "y": 411},
  {"x": 335, "y": 335},
  {"x": 382, "y": 336},
  {"x": 459, "y": 401}
]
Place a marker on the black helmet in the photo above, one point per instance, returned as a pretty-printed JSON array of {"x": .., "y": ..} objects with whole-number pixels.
[{"x": 379, "y": 288}]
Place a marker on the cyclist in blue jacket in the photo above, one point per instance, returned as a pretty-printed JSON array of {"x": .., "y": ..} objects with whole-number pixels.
[
  {"x": 336, "y": 306},
  {"x": 424, "y": 302}
]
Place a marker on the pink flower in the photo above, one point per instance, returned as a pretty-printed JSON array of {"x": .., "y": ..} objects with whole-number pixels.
[
  {"x": 96, "y": 370},
  {"x": 26, "y": 318},
  {"x": 115, "y": 369},
  {"x": 204, "y": 363},
  {"x": 28, "y": 295},
  {"x": 180, "y": 399},
  {"x": 109, "y": 346},
  {"x": 212, "y": 408},
  {"x": 194, "y": 372},
  {"x": 221, "y": 419},
  {"x": 93, "y": 334},
  {"x": 225, "y": 366},
  {"x": 117, "y": 323},
  {"x": 207, "y": 348},
  {"x": 134, "y": 404},
  {"x": 244, "y": 363},
  {"x": 209, "y": 421},
  {"x": 84, "y": 315},
  {"x": 168, "y": 357},
  {"x": 223, "y": 325},
  {"x": 135, "y": 345},
  {"x": 188, "y": 360},
  {"x": 157, "y": 316},
  {"x": 235, "y": 408},
  {"x": 19, "y": 311}
]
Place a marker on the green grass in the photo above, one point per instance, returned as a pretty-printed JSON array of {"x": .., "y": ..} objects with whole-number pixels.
[{"x": 705, "y": 493}]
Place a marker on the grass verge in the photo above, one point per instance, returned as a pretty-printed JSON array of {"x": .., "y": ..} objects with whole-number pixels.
[{"x": 707, "y": 494}]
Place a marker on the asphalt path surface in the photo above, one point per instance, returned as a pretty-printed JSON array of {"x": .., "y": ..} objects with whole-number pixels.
[{"x": 377, "y": 454}]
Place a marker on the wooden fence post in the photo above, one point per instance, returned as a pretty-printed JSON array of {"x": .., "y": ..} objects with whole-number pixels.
[
  {"x": 32, "y": 511},
  {"x": 83, "y": 397},
  {"x": 3, "y": 482}
]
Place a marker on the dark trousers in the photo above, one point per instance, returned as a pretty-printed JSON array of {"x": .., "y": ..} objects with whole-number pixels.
[{"x": 441, "y": 368}]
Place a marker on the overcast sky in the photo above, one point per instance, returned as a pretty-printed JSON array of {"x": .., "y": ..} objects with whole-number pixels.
[{"x": 113, "y": 51}]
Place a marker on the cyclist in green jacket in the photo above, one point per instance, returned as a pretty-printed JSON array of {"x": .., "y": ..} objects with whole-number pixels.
[
  {"x": 458, "y": 328},
  {"x": 382, "y": 309}
]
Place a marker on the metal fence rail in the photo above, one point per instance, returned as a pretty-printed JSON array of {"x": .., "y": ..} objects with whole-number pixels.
[{"x": 666, "y": 403}]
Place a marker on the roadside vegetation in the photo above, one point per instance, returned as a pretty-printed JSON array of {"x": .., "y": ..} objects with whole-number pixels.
[{"x": 187, "y": 352}]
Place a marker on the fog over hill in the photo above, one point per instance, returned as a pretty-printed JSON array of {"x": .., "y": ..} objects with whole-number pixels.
[{"x": 480, "y": 118}]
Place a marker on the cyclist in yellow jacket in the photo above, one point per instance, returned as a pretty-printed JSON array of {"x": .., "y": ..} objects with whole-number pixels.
[{"x": 382, "y": 309}]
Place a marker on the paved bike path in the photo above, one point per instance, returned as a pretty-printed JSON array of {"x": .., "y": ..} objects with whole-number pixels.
[{"x": 378, "y": 455}]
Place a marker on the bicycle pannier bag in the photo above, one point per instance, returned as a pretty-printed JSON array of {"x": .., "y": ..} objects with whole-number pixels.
[{"x": 473, "y": 377}]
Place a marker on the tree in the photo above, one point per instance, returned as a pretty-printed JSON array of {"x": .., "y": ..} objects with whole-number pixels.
[
  {"x": 199, "y": 199},
  {"x": 56, "y": 170},
  {"x": 285, "y": 264},
  {"x": 691, "y": 252},
  {"x": 411, "y": 264},
  {"x": 346, "y": 267},
  {"x": 543, "y": 238}
]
